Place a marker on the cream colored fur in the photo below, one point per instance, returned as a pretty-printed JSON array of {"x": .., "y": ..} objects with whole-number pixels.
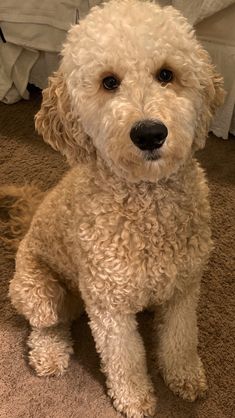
[{"x": 119, "y": 232}]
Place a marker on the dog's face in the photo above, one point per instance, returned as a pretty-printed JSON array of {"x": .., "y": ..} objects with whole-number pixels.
[{"x": 141, "y": 86}]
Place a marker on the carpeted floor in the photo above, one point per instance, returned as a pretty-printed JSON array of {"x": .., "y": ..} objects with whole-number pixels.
[{"x": 81, "y": 392}]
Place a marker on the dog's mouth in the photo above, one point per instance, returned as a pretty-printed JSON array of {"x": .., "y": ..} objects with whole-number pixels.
[{"x": 153, "y": 155}]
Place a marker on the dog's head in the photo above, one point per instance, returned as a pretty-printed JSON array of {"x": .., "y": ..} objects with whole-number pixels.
[{"x": 135, "y": 86}]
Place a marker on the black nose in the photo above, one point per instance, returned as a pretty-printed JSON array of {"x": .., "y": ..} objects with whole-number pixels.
[{"x": 148, "y": 134}]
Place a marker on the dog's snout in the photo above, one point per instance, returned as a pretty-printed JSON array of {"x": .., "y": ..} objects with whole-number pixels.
[{"x": 148, "y": 134}]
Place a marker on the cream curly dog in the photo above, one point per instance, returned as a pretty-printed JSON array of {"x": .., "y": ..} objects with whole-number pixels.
[{"x": 128, "y": 227}]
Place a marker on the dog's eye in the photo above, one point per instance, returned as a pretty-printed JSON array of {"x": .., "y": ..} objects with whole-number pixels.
[
  {"x": 110, "y": 83},
  {"x": 165, "y": 76}
]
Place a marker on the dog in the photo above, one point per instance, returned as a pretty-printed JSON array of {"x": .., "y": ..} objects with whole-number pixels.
[{"x": 129, "y": 226}]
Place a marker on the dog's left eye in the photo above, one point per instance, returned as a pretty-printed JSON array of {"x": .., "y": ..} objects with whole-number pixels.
[
  {"x": 111, "y": 82},
  {"x": 165, "y": 76}
]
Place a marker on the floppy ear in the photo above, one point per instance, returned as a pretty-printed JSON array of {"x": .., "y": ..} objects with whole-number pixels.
[
  {"x": 212, "y": 97},
  {"x": 59, "y": 128}
]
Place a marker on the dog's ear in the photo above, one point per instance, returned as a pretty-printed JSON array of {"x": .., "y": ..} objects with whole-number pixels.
[
  {"x": 59, "y": 128},
  {"x": 212, "y": 96}
]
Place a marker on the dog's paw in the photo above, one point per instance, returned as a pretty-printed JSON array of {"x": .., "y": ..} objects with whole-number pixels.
[
  {"x": 136, "y": 406},
  {"x": 188, "y": 384},
  {"x": 50, "y": 351}
]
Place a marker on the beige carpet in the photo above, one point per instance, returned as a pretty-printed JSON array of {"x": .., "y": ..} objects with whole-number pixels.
[{"x": 81, "y": 392}]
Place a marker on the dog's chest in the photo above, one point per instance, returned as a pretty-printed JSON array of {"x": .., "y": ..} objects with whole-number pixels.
[{"x": 136, "y": 249}]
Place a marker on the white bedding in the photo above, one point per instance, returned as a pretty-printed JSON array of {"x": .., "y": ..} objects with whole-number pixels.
[
  {"x": 197, "y": 10},
  {"x": 55, "y": 13},
  {"x": 33, "y": 29}
]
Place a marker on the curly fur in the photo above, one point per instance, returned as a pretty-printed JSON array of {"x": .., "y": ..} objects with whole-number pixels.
[
  {"x": 119, "y": 232},
  {"x": 58, "y": 126},
  {"x": 18, "y": 205}
]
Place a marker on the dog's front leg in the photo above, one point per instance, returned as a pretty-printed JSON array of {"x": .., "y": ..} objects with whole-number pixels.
[
  {"x": 124, "y": 363},
  {"x": 179, "y": 362}
]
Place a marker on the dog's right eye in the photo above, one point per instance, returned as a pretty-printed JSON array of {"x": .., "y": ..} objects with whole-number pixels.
[
  {"x": 165, "y": 76},
  {"x": 110, "y": 83}
]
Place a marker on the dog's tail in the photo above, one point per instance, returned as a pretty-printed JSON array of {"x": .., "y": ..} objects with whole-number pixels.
[{"x": 17, "y": 207}]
